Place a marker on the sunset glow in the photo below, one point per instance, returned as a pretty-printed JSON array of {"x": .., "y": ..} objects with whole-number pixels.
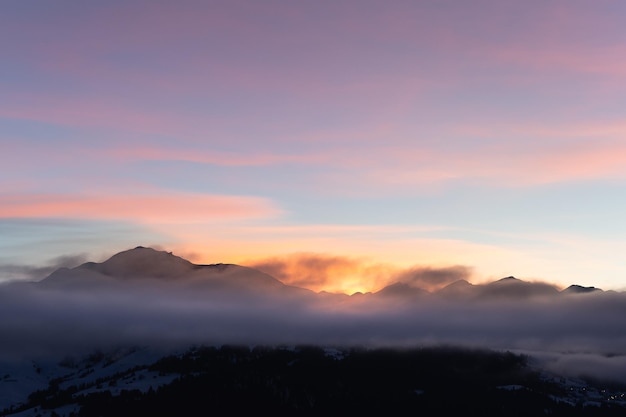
[{"x": 334, "y": 144}]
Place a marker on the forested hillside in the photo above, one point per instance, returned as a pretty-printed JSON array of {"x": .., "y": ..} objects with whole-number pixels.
[{"x": 311, "y": 381}]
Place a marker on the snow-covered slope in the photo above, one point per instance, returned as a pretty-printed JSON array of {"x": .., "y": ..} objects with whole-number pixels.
[{"x": 111, "y": 371}]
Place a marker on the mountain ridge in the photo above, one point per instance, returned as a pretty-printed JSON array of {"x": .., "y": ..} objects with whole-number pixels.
[
  {"x": 145, "y": 264},
  {"x": 148, "y": 267}
]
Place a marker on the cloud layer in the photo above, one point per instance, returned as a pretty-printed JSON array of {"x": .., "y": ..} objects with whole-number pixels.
[
  {"x": 578, "y": 331},
  {"x": 114, "y": 303}
]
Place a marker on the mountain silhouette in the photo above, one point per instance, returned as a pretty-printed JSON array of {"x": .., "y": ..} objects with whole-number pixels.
[
  {"x": 401, "y": 290},
  {"x": 458, "y": 289},
  {"x": 504, "y": 288},
  {"x": 142, "y": 262},
  {"x": 149, "y": 268},
  {"x": 579, "y": 289},
  {"x": 511, "y": 287}
]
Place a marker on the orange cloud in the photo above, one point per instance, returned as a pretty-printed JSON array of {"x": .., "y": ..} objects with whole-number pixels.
[
  {"x": 335, "y": 273},
  {"x": 359, "y": 257},
  {"x": 429, "y": 278},
  {"x": 167, "y": 208},
  {"x": 324, "y": 272}
]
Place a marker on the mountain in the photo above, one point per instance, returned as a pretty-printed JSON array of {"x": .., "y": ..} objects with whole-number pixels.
[
  {"x": 142, "y": 263},
  {"x": 579, "y": 289},
  {"x": 133, "y": 264},
  {"x": 505, "y": 288},
  {"x": 401, "y": 290},
  {"x": 152, "y": 269},
  {"x": 148, "y": 299},
  {"x": 458, "y": 289},
  {"x": 511, "y": 287}
]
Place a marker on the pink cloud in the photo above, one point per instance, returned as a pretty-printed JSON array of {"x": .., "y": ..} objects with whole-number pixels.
[
  {"x": 540, "y": 154},
  {"x": 237, "y": 43},
  {"x": 83, "y": 112},
  {"x": 564, "y": 39},
  {"x": 608, "y": 60},
  {"x": 502, "y": 155},
  {"x": 213, "y": 157},
  {"x": 381, "y": 158},
  {"x": 164, "y": 208},
  {"x": 303, "y": 48},
  {"x": 505, "y": 167},
  {"x": 531, "y": 155}
]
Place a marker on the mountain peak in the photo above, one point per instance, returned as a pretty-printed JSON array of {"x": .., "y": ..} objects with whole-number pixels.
[
  {"x": 510, "y": 278},
  {"x": 457, "y": 288},
  {"x": 143, "y": 262},
  {"x": 459, "y": 283},
  {"x": 513, "y": 287},
  {"x": 143, "y": 265},
  {"x": 579, "y": 289},
  {"x": 401, "y": 289}
]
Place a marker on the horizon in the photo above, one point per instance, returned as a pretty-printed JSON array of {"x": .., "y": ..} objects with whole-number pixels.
[{"x": 430, "y": 280}]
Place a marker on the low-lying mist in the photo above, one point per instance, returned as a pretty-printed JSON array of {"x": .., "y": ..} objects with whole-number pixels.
[
  {"x": 571, "y": 333},
  {"x": 583, "y": 332}
]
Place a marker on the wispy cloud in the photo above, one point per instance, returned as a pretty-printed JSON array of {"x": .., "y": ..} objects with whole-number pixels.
[
  {"x": 551, "y": 155},
  {"x": 213, "y": 157},
  {"x": 150, "y": 208}
]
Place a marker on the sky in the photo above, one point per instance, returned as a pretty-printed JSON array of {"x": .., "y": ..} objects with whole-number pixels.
[{"x": 347, "y": 139}]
